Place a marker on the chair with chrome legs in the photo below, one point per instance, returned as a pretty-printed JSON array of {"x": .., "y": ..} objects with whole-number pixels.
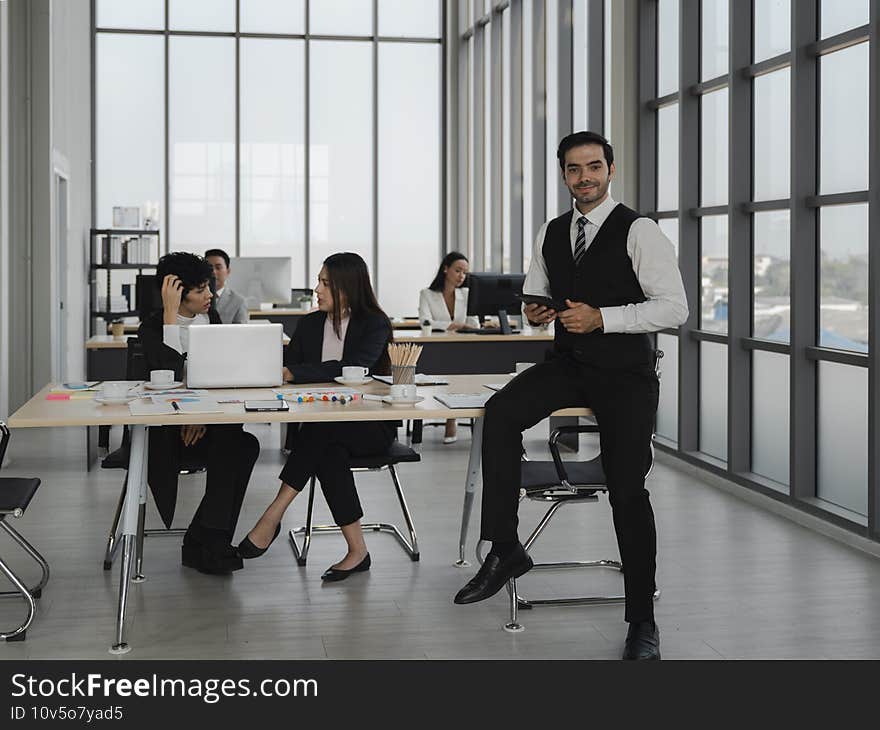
[
  {"x": 397, "y": 454},
  {"x": 136, "y": 369},
  {"x": 560, "y": 483},
  {"x": 16, "y": 494}
]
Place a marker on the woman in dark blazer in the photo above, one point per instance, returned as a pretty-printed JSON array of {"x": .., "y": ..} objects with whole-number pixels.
[
  {"x": 349, "y": 328},
  {"x": 227, "y": 451}
]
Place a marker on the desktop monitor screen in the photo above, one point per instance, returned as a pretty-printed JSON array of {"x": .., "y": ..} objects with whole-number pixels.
[
  {"x": 261, "y": 279},
  {"x": 489, "y": 292}
]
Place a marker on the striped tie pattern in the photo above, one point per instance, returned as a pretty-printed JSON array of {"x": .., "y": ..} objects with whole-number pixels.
[{"x": 580, "y": 244}]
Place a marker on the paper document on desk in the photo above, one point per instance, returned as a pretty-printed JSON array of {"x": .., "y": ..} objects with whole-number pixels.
[
  {"x": 143, "y": 407},
  {"x": 463, "y": 400},
  {"x": 186, "y": 404},
  {"x": 494, "y": 386}
]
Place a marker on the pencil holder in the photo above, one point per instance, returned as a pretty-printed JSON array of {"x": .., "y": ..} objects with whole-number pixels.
[{"x": 403, "y": 374}]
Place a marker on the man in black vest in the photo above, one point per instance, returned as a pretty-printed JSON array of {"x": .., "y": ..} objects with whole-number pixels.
[{"x": 617, "y": 274}]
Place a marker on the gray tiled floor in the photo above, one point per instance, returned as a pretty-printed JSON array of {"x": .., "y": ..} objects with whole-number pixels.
[{"x": 738, "y": 582}]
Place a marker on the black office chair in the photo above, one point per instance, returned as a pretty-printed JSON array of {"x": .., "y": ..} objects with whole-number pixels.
[
  {"x": 397, "y": 454},
  {"x": 136, "y": 369},
  {"x": 559, "y": 483},
  {"x": 16, "y": 494}
]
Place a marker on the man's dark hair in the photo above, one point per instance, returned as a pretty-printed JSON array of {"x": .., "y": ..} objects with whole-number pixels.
[
  {"x": 440, "y": 279},
  {"x": 192, "y": 270},
  {"x": 218, "y": 252},
  {"x": 577, "y": 139}
]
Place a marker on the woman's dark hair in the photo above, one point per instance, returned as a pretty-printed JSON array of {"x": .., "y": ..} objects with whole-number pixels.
[
  {"x": 192, "y": 270},
  {"x": 581, "y": 138},
  {"x": 448, "y": 260},
  {"x": 350, "y": 280},
  {"x": 218, "y": 252}
]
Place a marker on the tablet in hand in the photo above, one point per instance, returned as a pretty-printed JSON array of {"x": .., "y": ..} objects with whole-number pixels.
[{"x": 542, "y": 301}]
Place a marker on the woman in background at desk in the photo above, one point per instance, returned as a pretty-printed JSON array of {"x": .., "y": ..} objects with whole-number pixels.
[
  {"x": 444, "y": 304},
  {"x": 349, "y": 328}
]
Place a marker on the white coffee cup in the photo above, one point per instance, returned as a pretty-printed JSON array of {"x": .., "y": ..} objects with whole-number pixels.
[
  {"x": 161, "y": 377},
  {"x": 523, "y": 366},
  {"x": 409, "y": 391},
  {"x": 398, "y": 392},
  {"x": 353, "y": 372},
  {"x": 114, "y": 390}
]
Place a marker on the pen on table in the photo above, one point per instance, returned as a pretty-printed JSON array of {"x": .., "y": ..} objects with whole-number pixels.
[{"x": 175, "y": 406}]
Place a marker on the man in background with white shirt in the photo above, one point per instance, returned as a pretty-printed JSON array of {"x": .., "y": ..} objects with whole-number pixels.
[
  {"x": 230, "y": 305},
  {"x": 617, "y": 273}
]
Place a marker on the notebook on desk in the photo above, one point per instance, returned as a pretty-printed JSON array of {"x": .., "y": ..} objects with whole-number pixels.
[{"x": 463, "y": 400}]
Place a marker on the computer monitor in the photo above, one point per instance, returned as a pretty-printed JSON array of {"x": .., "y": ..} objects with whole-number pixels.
[
  {"x": 491, "y": 294},
  {"x": 261, "y": 279}
]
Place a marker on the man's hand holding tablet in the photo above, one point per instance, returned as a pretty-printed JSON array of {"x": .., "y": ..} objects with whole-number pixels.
[{"x": 540, "y": 310}]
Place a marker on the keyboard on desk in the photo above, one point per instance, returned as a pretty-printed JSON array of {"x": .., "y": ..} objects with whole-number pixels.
[{"x": 485, "y": 331}]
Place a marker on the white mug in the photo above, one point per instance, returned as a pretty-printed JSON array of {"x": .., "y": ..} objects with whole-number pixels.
[
  {"x": 161, "y": 377},
  {"x": 114, "y": 390},
  {"x": 523, "y": 366},
  {"x": 398, "y": 392},
  {"x": 409, "y": 391},
  {"x": 353, "y": 372}
]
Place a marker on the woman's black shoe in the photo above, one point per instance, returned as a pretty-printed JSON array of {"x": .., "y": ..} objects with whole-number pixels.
[
  {"x": 212, "y": 562},
  {"x": 248, "y": 550},
  {"x": 333, "y": 574}
]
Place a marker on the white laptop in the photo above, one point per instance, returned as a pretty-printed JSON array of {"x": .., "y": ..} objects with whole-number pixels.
[{"x": 234, "y": 356}]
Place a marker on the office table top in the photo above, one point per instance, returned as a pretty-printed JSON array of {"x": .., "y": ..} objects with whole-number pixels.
[
  {"x": 112, "y": 342},
  {"x": 41, "y": 413},
  {"x": 528, "y": 334}
]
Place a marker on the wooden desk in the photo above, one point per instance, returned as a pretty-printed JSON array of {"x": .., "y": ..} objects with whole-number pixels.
[
  {"x": 453, "y": 353},
  {"x": 41, "y": 413}
]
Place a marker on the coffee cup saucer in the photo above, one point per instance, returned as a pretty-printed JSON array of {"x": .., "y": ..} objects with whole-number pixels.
[
  {"x": 121, "y": 401},
  {"x": 402, "y": 401},
  {"x": 165, "y": 386},
  {"x": 360, "y": 381}
]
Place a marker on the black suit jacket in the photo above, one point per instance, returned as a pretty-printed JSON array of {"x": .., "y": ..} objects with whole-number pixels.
[
  {"x": 167, "y": 454},
  {"x": 366, "y": 344}
]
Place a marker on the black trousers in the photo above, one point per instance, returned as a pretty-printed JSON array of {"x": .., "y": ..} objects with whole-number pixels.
[
  {"x": 324, "y": 450},
  {"x": 229, "y": 454},
  {"x": 625, "y": 404}
]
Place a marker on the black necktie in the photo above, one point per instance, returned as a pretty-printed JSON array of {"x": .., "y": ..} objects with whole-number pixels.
[{"x": 580, "y": 244}]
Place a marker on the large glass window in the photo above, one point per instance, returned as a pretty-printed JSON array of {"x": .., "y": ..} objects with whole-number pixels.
[
  {"x": 714, "y": 48},
  {"x": 273, "y": 16},
  {"x": 667, "y": 158},
  {"x": 667, "y": 47},
  {"x": 341, "y": 17},
  {"x": 142, "y": 15},
  {"x": 772, "y": 275},
  {"x": 772, "y": 35},
  {"x": 272, "y": 152},
  {"x": 843, "y": 277},
  {"x": 843, "y": 120},
  {"x": 842, "y": 429},
  {"x": 409, "y": 173},
  {"x": 209, "y": 15},
  {"x": 201, "y": 138},
  {"x": 772, "y": 100},
  {"x": 130, "y": 161},
  {"x": 770, "y": 415},
  {"x": 837, "y": 16},
  {"x": 713, "y": 148},
  {"x": 713, "y": 399},
  {"x": 667, "y": 408},
  {"x": 713, "y": 273},
  {"x": 341, "y": 170},
  {"x": 410, "y": 18}
]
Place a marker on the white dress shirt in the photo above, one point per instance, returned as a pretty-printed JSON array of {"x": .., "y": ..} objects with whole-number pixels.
[
  {"x": 332, "y": 346},
  {"x": 432, "y": 306},
  {"x": 654, "y": 264},
  {"x": 176, "y": 336}
]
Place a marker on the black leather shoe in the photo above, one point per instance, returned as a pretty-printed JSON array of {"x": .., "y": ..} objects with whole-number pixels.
[
  {"x": 209, "y": 560},
  {"x": 333, "y": 574},
  {"x": 248, "y": 550},
  {"x": 493, "y": 574},
  {"x": 642, "y": 641}
]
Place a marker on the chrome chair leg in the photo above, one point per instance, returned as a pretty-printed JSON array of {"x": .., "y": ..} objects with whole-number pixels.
[
  {"x": 120, "y": 646},
  {"x": 411, "y": 547},
  {"x": 306, "y": 531},
  {"x": 21, "y": 589},
  {"x": 513, "y": 626},
  {"x": 113, "y": 540}
]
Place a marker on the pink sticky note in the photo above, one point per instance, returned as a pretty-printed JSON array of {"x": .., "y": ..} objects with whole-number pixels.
[{"x": 58, "y": 396}]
